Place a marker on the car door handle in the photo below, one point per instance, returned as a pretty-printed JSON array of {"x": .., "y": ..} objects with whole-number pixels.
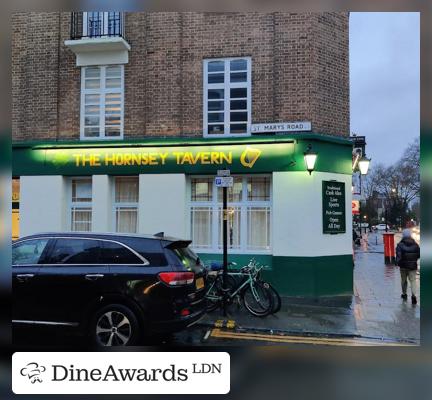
[
  {"x": 24, "y": 277},
  {"x": 93, "y": 277}
]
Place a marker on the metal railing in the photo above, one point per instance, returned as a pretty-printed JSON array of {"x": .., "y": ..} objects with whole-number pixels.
[{"x": 97, "y": 24}]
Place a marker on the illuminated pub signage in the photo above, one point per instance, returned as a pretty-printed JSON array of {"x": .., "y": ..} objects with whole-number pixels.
[
  {"x": 187, "y": 156},
  {"x": 98, "y": 159},
  {"x": 164, "y": 159}
]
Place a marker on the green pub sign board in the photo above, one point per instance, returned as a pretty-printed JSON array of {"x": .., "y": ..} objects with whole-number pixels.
[
  {"x": 334, "y": 216},
  {"x": 239, "y": 158},
  {"x": 183, "y": 155}
]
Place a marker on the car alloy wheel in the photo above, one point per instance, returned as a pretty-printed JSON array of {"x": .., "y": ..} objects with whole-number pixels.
[{"x": 113, "y": 328}]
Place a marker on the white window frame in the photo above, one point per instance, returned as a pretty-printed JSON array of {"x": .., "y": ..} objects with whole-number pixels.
[
  {"x": 76, "y": 205},
  {"x": 104, "y": 29},
  {"x": 116, "y": 205},
  {"x": 244, "y": 205},
  {"x": 227, "y": 85},
  {"x": 102, "y": 91}
]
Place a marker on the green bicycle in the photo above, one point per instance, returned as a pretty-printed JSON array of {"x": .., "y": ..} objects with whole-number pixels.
[{"x": 243, "y": 286}]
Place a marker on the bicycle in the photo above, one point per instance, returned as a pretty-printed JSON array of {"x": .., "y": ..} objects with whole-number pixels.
[
  {"x": 243, "y": 285},
  {"x": 277, "y": 301}
]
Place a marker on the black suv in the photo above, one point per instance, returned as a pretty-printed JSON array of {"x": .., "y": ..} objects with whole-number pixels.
[{"x": 113, "y": 287}]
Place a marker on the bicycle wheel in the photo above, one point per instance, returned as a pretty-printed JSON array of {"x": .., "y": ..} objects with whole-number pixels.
[
  {"x": 213, "y": 296},
  {"x": 258, "y": 300},
  {"x": 277, "y": 302}
]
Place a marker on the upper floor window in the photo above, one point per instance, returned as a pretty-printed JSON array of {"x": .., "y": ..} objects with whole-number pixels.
[
  {"x": 102, "y": 97},
  {"x": 96, "y": 24},
  {"x": 227, "y": 96}
]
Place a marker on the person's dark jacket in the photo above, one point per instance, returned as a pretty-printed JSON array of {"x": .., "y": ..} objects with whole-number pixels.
[{"x": 407, "y": 253}]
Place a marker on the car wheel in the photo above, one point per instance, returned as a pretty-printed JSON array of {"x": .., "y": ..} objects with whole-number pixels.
[{"x": 114, "y": 325}]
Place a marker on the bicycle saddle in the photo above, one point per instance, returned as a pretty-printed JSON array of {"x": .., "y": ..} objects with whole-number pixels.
[{"x": 216, "y": 266}]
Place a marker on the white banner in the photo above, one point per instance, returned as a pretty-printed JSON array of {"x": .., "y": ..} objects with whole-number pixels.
[{"x": 121, "y": 373}]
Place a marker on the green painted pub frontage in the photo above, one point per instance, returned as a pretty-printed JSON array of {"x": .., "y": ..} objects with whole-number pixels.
[{"x": 295, "y": 222}]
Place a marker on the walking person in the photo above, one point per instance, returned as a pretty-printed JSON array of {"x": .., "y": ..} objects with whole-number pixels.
[
  {"x": 407, "y": 254},
  {"x": 356, "y": 238}
]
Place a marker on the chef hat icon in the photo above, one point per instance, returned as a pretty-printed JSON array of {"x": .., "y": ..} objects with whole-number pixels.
[{"x": 32, "y": 371}]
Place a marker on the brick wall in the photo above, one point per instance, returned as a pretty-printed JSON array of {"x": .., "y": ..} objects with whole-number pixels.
[
  {"x": 35, "y": 75},
  {"x": 299, "y": 71}
]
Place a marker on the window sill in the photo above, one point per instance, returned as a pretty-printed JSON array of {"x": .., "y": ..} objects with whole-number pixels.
[
  {"x": 227, "y": 135},
  {"x": 100, "y": 51},
  {"x": 101, "y": 139}
]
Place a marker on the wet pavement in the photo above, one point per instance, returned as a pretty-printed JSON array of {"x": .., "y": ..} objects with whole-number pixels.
[
  {"x": 378, "y": 308},
  {"x": 292, "y": 318}
]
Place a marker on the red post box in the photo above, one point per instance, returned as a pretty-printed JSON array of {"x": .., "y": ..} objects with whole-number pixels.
[{"x": 389, "y": 248}]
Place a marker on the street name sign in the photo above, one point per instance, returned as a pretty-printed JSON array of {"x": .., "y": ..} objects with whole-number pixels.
[
  {"x": 334, "y": 215},
  {"x": 223, "y": 172},
  {"x": 282, "y": 127},
  {"x": 224, "y": 181}
]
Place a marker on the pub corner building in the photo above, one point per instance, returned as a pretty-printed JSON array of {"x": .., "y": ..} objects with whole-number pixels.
[{"x": 122, "y": 120}]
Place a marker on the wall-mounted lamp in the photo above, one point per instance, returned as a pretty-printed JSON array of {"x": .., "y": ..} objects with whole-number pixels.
[
  {"x": 364, "y": 165},
  {"x": 310, "y": 159},
  {"x": 356, "y": 157}
]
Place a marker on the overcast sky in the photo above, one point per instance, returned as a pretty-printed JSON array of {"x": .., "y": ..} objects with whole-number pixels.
[{"x": 385, "y": 81}]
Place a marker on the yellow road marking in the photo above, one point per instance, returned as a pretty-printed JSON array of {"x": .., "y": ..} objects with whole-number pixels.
[
  {"x": 218, "y": 323},
  {"x": 217, "y": 333},
  {"x": 230, "y": 324}
]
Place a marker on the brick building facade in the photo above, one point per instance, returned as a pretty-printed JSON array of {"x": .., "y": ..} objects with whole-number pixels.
[
  {"x": 122, "y": 120},
  {"x": 299, "y": 71}
]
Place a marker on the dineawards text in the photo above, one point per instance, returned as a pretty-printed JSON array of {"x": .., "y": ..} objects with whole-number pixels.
[{"x": 113, "y": 374}]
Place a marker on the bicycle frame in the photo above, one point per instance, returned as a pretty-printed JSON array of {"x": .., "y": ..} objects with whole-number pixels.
[{"x": 251, "y": 278}]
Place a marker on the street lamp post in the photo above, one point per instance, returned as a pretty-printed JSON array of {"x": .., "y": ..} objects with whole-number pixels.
[
  {"x": 385, "y": 219},
  {"x": 360, "y": 164}
]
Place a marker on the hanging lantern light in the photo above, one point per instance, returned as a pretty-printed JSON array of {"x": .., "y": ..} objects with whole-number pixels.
[
  {"x": 364, "y": 165},
  {"x": 310, "y": 159}
]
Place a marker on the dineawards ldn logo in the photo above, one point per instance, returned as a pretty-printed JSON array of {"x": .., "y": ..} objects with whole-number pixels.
[
  {"x": 121, "y": 373},
  {"x": 33, "y": 371}
]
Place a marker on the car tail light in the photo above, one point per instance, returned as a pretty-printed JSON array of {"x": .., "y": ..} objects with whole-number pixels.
[
  {"x": 184, "y": 312},
  {"x": 177, "y": 278}
]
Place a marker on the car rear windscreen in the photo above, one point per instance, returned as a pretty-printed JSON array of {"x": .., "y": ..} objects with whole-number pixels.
[{"x": 150, "y": 249}]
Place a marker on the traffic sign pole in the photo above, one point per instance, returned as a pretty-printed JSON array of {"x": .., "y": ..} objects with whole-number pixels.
[
  {"x": 225, "y": 249},
  {"x": 224, "y": 180}
]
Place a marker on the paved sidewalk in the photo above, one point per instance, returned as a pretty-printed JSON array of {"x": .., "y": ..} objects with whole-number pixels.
[
  {"x": 292, "y": 318},
  {"x": 375, "y": 311},
  {"x": 378, "y": 308}
]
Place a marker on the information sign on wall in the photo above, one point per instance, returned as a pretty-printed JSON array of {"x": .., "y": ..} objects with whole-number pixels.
[{"x": 334, "y": 216}]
